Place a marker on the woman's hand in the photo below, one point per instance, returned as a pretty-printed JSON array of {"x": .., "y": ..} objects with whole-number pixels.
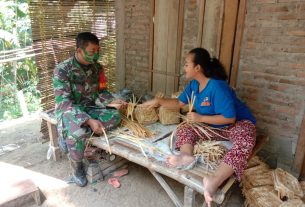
[
  {"x": 151, "y": 103},
  {"x": 117, "y": 103},
  {"x": 95, "y": 125},
  {"x": 193, "y": 117}
]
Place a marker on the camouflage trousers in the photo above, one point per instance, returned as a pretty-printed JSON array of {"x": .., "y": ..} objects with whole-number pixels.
[{"x": 73, "y": 134}]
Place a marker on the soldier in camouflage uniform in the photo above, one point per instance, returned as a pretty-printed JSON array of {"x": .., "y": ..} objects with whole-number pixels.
[{"x": 76, "y": 85}]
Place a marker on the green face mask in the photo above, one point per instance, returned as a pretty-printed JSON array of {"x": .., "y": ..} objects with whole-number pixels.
[{"x": 91, "y": 58}]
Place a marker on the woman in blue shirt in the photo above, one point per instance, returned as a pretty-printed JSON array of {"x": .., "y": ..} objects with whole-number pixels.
[{"x": 216, "y": 104}]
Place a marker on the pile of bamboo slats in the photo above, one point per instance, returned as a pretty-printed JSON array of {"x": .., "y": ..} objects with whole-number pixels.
[{"x": 211, "y": 152}]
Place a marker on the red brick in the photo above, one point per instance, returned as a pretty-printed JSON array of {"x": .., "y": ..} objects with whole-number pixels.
[
  {"x": 300, "y": 74},
  {"x": 266, "y": 1},
  {"x": 297, "y": 33},
  {"x": 293, "y": 82},
  {"x": 274, "y": 8},
  {"x": 294, "y": 65},
  {"x": 288, "y": 17}
]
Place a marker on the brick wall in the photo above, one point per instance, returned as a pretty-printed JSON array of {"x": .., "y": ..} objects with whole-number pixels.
[
  {"x": 272, "y": 73},
  {"x": 137, "y": 44}
]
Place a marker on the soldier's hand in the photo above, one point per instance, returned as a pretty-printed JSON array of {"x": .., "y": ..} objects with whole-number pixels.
[{"x": 95, "y": 125}]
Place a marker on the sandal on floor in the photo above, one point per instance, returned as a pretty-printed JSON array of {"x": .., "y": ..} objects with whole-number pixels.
[{"x": 114, "y": 182}]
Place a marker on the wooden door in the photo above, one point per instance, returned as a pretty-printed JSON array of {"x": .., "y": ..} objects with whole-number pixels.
[
  {"x": 167, "y": 30},
  {"x": 220, "y": 31}
]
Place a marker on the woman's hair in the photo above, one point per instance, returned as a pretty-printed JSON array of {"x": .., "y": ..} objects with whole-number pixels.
[
  {"x": 83, "y": 39},
  {"x": 212, "y": 68}
]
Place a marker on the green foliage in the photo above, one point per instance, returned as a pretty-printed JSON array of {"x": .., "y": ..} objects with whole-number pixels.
[
  {"x": 15, "y": 25},
  {"x": 21, "y": 74}
]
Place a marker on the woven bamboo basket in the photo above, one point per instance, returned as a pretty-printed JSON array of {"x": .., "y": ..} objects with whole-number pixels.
[
  {"x": 263, "y": 196},
  {"x": 169, "y": 116},
  {"x": 146, "y": 115},
  {"x": 302, "y": 184},
  {"x": 258, "y": 179},
  {"x": 293, "y": 203},
  {"x": 286, "y": 184}
]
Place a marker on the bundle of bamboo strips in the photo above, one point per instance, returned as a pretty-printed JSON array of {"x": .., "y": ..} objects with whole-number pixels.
[
  {"x": 212, "y": 151},
  {"x": 191, "y": 101},
  {"x": 136, "y": 128},
  {"x": 106, "y": 137},
  {"x": 203, "y": 130},
  {"x": 130, "y": 107},
  {"x": 139, "y": 142},
  {"x": 200, "y": 128},
  {"x": 159, "y": 95},
  {"x": 176, "y": 94}
]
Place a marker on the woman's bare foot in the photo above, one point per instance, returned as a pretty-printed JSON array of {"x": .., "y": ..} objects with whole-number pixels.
[
  {"x": 210, "y": 187},
  {"x": 179, "y": 160}
]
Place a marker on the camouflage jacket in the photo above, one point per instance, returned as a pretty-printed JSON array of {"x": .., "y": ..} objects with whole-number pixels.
[{"x": 75, "y": 88}]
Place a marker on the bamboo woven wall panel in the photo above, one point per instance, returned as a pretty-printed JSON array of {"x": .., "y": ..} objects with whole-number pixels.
[{"x": 54, "y": 27}]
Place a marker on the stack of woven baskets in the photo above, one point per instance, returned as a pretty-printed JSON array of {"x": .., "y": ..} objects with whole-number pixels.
[
  {"x": 264, "y": 187},
  {"x": 150, "y": 115}
]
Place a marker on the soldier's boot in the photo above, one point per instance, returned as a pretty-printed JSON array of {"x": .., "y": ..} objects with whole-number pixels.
[{"x": 79, "y": 174}]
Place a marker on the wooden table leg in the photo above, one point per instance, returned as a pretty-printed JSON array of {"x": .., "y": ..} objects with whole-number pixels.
[
  {"x": 167, "y": 188},
  {"x": 189, "y": 197}
]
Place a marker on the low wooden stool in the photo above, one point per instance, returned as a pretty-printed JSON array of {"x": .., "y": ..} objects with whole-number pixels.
[{"x": 49, "y": 117}]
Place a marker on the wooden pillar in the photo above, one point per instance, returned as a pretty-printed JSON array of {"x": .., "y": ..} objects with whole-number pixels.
[
  {"x": 238, "y": 40},
  {"x": 299, "y": 161},
  {"x": 201, "y": 21},
  {"x": 228, "y": 34},
  {"x": 151, "y": 45},
  {"x": 120, "y": 44}
]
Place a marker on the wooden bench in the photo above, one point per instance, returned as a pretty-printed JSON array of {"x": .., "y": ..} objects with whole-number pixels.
[
  {"x": 191, "y": 179},
  {"x": 49, "y": 117}
]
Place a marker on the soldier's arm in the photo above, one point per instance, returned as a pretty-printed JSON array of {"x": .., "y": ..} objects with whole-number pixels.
[{"x": 104, "y": 96}]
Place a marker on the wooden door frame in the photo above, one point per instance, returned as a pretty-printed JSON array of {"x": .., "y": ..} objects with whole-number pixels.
[
  {"x": 237, "y": 40},
  {"x": 240, "y": 26},
  {"x": 179, "y": 45}
]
